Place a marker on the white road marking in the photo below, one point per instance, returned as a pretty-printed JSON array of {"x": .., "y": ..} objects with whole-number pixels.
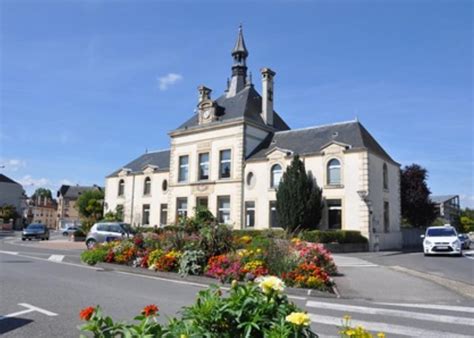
[
  {"x": 9, "y": 252},
  {"x": 297, "y": 297},
  {"x": 391, "y": 312},
  {"x": 469, "y": 254},
  {"x": 56, "y": 258},
  {"x": 167, "y": 280},
  {"x": 433, "y": 307},
  {"x": 65, "y": 263},
  {"x": 357, "y": 265},
  {"x": 30, "y": 308},
  {"x": 386, "y": 328}
]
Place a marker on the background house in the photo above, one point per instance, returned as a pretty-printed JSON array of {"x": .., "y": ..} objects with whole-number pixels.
[
  {"x": 67, "y": 196},
  {"x": 447, "y": 207},
  {"x": 12, "y": 194}
]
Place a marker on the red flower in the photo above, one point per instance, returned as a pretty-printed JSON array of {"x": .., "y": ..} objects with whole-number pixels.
[
  {"x": 150, "y": 310},
  {"x": 86, "y": 313}
]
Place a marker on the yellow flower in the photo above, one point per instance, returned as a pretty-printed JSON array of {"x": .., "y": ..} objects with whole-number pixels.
[
  {"x": 234, "y": 283},
  {"x": 381, "y": 335},
  {"x": 350, "y": 332},
  {"x": 259, "y": 250},
  {"x": 347, "y": 317},
  {"x": 183, "y": 336},
  {"x": 270, "y": 283},
  {"x": 298, "y": 318}
]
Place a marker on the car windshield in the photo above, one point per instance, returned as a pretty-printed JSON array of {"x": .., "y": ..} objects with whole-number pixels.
[
  {"x": 441, "y": 232},
  {"x": 35, "y": 227}
]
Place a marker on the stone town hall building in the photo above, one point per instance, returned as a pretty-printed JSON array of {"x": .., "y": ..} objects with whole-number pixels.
[{"x": 231, "y": 153}]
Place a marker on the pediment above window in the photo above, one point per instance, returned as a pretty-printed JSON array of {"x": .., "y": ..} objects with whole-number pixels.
[
  {"x": 149, "y": 168},
  {"x": 124, "y": 172},
  {"x": 277, "y": 153},
  {"x": 335, "y": 147}
]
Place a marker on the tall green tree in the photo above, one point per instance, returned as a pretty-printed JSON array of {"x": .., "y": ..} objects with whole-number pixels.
[
  {"x": 43, "y": 192},
  {"x": 299, "y": 199},
  {"x": 8, "y": 212},
  {"x": 90, "y": 206},
  {"x": 417, "y": 208}
]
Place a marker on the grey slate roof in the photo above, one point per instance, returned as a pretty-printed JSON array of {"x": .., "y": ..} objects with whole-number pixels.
[
  {"x": 6, "y": 179},
  {"x": 74, "y": 191},
  {"x": 161, "y": 159},
  {"x": 312, "y": 140},
  {"x": 246, "y": 105},
  {"x": 441, "y": 198}
]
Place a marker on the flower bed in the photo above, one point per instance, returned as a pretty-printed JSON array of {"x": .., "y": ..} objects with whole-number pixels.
[{"x": 216, "y": 252}]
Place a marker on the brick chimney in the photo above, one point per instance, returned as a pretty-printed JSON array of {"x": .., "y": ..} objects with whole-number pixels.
[{"x": 267, "y": 95}]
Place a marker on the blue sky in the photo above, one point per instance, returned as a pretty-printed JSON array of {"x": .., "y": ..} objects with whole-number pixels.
[{"x": 86, "y": 86}]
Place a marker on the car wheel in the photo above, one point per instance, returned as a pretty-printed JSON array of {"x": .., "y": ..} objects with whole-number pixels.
[
  {"x": 23, "y": 239},
  {"x": 65, "y": 233},
  {"x": 47, "y": 238},
  {"x": 29, "y": 239},
  {"x": 91, "y": 243}
]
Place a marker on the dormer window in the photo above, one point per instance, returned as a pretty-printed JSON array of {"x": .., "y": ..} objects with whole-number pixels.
[
  {"x": 334, "y": 172},
  {"x": 121, "y": 187},
  {"x": 147, "y": 186},
  {"x": 276, "y": 174}
]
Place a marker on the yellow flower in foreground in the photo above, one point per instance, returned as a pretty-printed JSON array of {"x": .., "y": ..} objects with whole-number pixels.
[
  {"x": 270, "y": 283},
  {"x": 347, "y": 318},
  {"x": 183, "y": 336},
  {"x": 298, "y": 318},
  {"x": 350, "y": 332},
  {"x": 381, "y": 335}
]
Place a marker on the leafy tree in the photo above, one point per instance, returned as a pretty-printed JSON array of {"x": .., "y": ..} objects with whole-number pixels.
[
  {"x": 42, "y": 192},
  {"x": 8, "y": 212},
  {"x": 116, "y": 216},
  {"x": 90, "y": 207},
  {"x": 417, "y": 207},
  {"x": 299, "y": 199},
  {"x": 466, "y": 220}
]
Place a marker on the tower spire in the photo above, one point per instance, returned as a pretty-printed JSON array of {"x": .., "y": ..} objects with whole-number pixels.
[{"x": 239, "y": 68}]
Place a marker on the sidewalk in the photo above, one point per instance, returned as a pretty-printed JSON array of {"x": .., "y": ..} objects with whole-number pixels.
[{"x": 361, "y": 279}]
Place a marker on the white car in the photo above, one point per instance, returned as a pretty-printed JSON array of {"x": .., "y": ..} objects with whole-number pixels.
[{"x": 441, "y": 240}]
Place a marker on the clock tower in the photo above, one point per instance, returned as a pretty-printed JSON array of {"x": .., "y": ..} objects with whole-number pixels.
[{"x": 206, "y": 107}]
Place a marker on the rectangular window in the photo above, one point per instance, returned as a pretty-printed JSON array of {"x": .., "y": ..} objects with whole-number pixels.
[
  {"x": 386, "y": 216},
  {"x": 146, "y": 214},
  {"x": 204, "y": 166},
  {"x": 183, "y": 168},
  {"x": 334, "y": 214},
  {"x": 202, "y": 202},
  {"x": 163, "y": 214},
  {"x": 181, "y": 208},
  {"x": 225, "y": 163},
  {"x": 223, "y": 209},
  {"x": 250, "y": 214},
  {"x": 273, "y": 215}
]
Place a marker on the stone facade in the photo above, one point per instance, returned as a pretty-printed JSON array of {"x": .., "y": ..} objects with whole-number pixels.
[{"x": 231, "y": 154}]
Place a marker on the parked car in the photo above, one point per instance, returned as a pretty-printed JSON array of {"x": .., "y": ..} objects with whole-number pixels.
[
  {"x": 441, "y": 240},
  {"x": 106, "y": 232},
  {"x": 35, "y": 230},
  {"x": 70, "y": 229},
  {"x": 465, "y": 241}
]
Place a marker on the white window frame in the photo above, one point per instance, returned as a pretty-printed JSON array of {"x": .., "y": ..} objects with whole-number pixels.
[
  {"x": 329, "y": 168},
  {"x": 221, "y": 211},
  {"x": 184, "y": 167},
  {"x": 273, "y": 173},
  {"x": 180, "y": 211},
  {"x": 224, "y": 161},
  {"x": 147, "y": 186},
  {"x": 203, "y": 164},
  {"x": 247, "y": 209},
  {"x": 121, "y": 187}
]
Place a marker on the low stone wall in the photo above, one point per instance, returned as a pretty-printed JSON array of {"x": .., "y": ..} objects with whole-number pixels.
[
  {"x": 411, "y": 238},
  {"x": 347, "y": 247}
]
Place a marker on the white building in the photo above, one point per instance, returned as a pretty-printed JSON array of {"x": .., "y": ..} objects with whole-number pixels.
[{"x": 230, "y": 156}]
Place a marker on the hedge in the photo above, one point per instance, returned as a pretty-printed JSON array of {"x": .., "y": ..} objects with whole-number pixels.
[{"x": 333, "y": 236}]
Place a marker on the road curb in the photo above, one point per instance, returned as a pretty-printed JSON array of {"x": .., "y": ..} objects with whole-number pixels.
[
  {"x": 463, "y": 289},
  {"x": 206, "y": 281}
]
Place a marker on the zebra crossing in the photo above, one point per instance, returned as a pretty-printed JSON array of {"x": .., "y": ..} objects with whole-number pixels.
[{"x": 394, "y": 319}]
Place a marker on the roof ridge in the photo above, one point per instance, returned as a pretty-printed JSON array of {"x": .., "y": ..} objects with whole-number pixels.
[
  {"x": 317, "y": 127},
  {"x": 158, "y": 151}
]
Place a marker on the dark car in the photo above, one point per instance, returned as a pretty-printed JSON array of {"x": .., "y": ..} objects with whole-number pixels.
[
  {"x": 38, "y": 231},
  {"x": 465, "y": 241}
]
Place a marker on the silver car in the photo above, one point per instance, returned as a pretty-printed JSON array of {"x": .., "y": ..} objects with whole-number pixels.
[{"x": 106, "y": 232}]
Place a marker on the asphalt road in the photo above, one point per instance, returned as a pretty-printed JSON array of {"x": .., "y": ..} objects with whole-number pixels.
[
  {"x": 456, "y": 268},
  {"x": 44, "y": 297}
]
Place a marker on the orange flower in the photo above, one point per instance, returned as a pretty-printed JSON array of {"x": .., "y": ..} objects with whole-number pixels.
[
  {"x": 86, "y": 313},
  {"x": 150, "y": 310}
]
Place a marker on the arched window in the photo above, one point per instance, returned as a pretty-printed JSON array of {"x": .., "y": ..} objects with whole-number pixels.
[
  {"x": 385, "y": 176},
  {"x": 147, "y": 186},
  {"x": 276, "y": 174},
  {"x": 334, "y": 172},
  {"x": 250, "y": 179},
  {"x": 121, "y": 187}
]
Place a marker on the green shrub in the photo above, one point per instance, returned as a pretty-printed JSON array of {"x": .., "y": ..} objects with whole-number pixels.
[
  {"x": 192, "y": 262},
  {"x": 272, "y": 233},
  {"x": 94, "y": 256},
  {"x": 216, "y": 239},
  {"x": 333, "y": 236}
]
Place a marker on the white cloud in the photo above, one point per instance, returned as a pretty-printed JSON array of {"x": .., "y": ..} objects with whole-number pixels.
[
  {"x": 12, "y": 164},
  {"x": 30, "y": 182},
  {"x": 168, "y": 80}
]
